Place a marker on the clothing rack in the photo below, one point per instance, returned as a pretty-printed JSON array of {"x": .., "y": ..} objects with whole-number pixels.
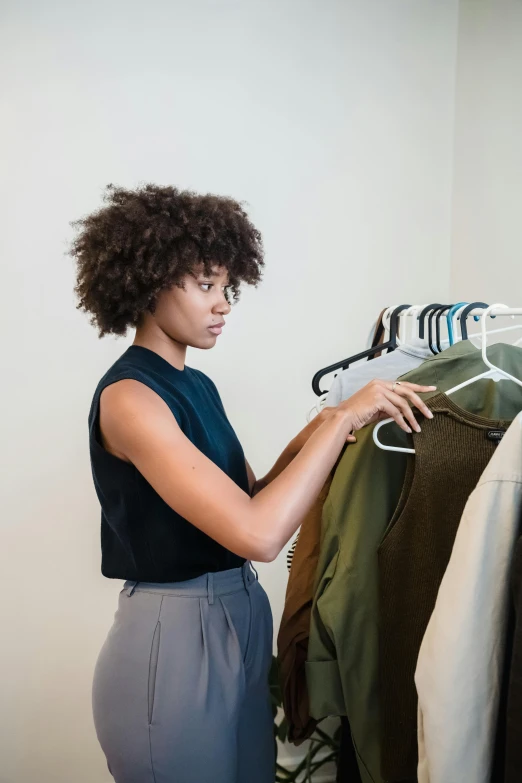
[{"x": 431, "y": 553}]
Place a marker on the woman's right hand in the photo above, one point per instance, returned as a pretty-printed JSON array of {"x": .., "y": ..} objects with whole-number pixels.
[{"x": 384, "y": 399}]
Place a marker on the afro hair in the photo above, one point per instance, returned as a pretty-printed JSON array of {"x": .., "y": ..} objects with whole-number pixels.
[{"x": 144, "y": 241}]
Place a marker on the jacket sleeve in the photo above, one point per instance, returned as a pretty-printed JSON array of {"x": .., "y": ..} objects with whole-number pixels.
[
  {"x": 322, "y": 669},
  {"x": 342, "y": 667}
]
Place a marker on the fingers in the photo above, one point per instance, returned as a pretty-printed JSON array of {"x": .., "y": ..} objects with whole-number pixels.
[
  {"x": 383, "y": 398},
  {"x": 401, "y": 396},
  {"x": 415, "y": 387},
  {"x": 395, "y": 412},
  {"x": 405, "y": 411},
  {"x": 405, "y": 390}
]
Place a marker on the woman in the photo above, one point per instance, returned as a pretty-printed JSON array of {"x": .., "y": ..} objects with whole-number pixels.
[{"x": 180, "y": 692}]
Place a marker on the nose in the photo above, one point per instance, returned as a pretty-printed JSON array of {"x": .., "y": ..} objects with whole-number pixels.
[{"x": 222, "y": 307}]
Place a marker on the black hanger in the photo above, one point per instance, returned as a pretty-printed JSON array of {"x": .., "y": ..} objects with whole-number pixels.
[
  {"x": 437, "y": 325},
  {"x": 390, "y": 346},
  {"x": 379, "y": 331},
  {"x": 433, "y": 313},
  {"x": 464, "y": 314},
  {"x": 423, "y": 315}
]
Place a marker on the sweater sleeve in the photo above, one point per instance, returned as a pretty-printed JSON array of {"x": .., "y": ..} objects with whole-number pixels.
[{"x": 335, "y": 393}]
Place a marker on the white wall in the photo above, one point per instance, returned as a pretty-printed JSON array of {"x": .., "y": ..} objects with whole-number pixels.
[
  {"x": 487, "y": 196},
  {"x": 334, "y": 121}
]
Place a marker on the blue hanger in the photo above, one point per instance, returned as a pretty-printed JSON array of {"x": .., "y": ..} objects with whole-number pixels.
[{"x": 449, "y": 318}]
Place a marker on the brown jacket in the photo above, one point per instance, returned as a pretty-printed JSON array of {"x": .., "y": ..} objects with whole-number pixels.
[
  {"x": 294, "y": 631},
  {"x": 292, "y": 640}
]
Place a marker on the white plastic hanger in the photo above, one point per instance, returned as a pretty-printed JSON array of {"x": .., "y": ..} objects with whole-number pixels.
[
  {"x": 410, "y": 313},
  {"x": 498, "y": 331},
  {"x": 319, "y": 405},
  {"x": 408, "y": 318},
  {"x": 414, "y": 313},
  {"x": 494, "y": 373},
  {"x": 386, "y": 321}
]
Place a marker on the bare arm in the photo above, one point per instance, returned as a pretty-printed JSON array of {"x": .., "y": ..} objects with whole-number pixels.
[
  {"x": 139, "y": 427},
  {"x": 284, "y": 459}
]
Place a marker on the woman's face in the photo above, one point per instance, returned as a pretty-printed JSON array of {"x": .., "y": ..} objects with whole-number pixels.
[{"x": 187, "y": 315}]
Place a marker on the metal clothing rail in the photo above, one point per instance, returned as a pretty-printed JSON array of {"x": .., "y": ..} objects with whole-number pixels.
[{"x": 478, "y": 312}]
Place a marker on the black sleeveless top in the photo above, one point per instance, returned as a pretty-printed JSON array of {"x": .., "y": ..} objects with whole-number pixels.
[{"x": 142, "y": 538}]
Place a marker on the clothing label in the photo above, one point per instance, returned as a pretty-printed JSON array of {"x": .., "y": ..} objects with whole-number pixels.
[{"x": 495, "y": 435}]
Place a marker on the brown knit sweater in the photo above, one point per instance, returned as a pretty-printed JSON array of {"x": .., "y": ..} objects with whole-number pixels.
[{"x": 450, "y": 454}]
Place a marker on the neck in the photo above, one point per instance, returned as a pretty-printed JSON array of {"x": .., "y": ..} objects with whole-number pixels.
[{"x": 154, "y": 339}]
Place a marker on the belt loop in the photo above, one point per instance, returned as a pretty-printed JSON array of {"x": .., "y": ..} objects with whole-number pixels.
[
  {"x": 248, "y": 576},
  {"x": 210, "y": 587},
  {"x": 131, "y": 588},
  {"x": 244, "y": 573}
]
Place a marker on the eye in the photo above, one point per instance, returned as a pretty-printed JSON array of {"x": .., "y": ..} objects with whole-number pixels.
[{"x": 209, "y": 286}]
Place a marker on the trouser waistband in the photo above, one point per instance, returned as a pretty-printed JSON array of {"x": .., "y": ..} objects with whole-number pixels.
[{"x": 204, "y": 586}]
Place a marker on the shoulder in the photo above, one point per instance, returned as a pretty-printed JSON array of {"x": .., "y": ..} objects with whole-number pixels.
[
  {"x": 131, "y": 414},
  {"x": 128, "y": 398}
]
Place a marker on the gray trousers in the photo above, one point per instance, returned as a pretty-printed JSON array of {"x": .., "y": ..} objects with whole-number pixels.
[{"x": 180, "y": 691}]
